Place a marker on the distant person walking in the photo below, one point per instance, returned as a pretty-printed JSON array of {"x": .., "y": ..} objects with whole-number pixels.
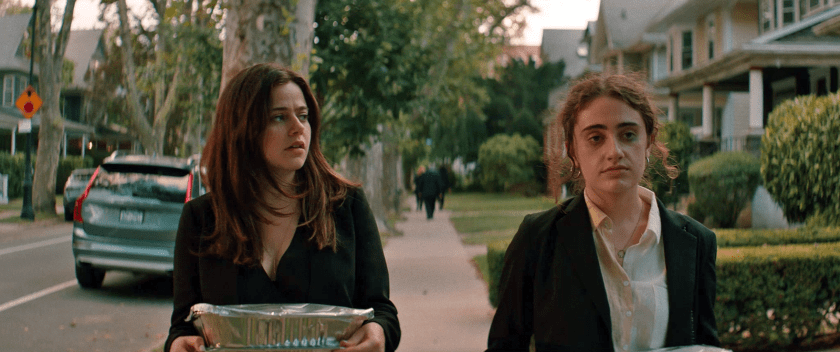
[
  {"x": 417, "y": 193},
  {"x": 444, "y": 176},
  {"x": 431, "y": 187}
]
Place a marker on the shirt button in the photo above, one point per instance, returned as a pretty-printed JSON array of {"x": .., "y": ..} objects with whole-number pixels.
[
  {"x": 626, "y": 283},
  {"x": 628, "y": 313}
]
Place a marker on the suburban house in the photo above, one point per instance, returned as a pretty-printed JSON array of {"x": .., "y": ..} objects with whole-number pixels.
[
  {"x": 86, "y": 50},
  {"x": 737, "y": 60}
]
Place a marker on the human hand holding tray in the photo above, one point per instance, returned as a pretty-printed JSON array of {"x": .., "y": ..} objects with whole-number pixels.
[{"x": 276, "y": 327}]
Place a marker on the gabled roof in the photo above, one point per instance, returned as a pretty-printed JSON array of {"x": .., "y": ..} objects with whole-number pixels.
[
  {"x": 563, "y": 44},
  {"x": 82, "y": 47},
  {"x": 626, "y": 20},
  {"x": 800, "y": 30},
  {"x": 13, "y": 29}
]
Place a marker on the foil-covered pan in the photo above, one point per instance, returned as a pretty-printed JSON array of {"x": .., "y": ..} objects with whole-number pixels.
[
  {"x": 692, "y": 348},
  {"x": 275, "y": 327}
]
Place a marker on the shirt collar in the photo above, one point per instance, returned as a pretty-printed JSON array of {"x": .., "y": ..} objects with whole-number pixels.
[{"x": 599, "y": 218}]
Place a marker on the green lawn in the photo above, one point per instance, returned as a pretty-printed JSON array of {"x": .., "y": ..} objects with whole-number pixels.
[
  {"x": 16, "y": 205},
  {"x": 482, "y": 218}
]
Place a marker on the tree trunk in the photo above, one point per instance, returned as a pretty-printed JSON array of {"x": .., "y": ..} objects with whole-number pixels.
[
  {"x": 259, "y": 31},
  {"x": 50, "y": 49},
  {"x": 151, "y": 134},
  {"x": 142, "y": 127}
]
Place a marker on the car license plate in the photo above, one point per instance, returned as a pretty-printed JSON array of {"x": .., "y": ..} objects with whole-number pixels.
[{"x": 131, "y": 216}]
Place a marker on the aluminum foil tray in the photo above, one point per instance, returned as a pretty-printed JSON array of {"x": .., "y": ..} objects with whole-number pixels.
[
  {"x": 275, "y": 327},
  {"x": 692, "y": 348}
]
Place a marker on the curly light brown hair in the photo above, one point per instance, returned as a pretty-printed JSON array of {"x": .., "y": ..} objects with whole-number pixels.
[{"x": 630, "y": 89}]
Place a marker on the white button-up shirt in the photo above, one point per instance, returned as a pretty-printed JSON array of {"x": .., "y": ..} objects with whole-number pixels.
[{"x": 636, "y": 288}]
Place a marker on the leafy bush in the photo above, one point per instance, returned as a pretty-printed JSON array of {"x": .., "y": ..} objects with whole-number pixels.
[
  {"x": 495, "y": 263},
  {"x": 678, "y": 139},
  {"x": 722, "y": 185},
  {"x": 800, "y": 154},
  {"x": 13, "y": 165},
  {"x": 507, "y": 160}
]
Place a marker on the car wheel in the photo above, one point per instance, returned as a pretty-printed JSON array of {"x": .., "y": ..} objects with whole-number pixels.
[{"x": 88, "y": 276}]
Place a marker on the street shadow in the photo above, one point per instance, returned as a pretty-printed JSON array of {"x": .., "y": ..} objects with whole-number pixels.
[{"x": 119, "y": 285}]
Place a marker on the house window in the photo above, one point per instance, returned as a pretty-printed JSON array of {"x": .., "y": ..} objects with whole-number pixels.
[
  {"x": 13, "y": 86},
  {"x": 710, "y": 35},
  {"x": 8, "y": 90},
  {"x": 692, "y": 117},
  {"x": 768, "y": 15},
  {"x": 687, "y": 51},
  {"x": 788, "y": 12},
  {"x": 671, "y": 54}
]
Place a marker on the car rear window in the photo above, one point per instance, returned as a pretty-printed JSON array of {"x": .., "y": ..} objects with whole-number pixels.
[{"x": 167, "y": 184}]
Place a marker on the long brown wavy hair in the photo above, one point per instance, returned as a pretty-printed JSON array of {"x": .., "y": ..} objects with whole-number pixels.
[
  {"x": 237, "y": 172},
  {"x": 630, "y": 89}
]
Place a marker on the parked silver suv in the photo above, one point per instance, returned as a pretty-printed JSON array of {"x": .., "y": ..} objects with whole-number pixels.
[{"x": 127, "y": 217}]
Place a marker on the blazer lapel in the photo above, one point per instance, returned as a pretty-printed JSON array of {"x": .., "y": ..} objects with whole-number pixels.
[
  {"x": 681, "y": 266},
  {"x": 575, "y": 235}
]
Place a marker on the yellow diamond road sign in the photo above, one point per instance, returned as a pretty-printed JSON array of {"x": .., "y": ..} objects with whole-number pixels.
[{"x": 29, "y": 102}]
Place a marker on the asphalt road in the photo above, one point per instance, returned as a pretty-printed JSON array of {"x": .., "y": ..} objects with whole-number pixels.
[{"x": 42, "y": 308}]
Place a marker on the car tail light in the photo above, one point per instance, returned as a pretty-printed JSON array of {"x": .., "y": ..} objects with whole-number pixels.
[
  {"x": 189, "y": 188},
  {"x": 77, "y": 209}
]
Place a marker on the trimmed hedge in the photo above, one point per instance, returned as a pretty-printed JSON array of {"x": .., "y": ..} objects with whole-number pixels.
[
  {"x": 771, "y": 237},
  {"x": 770, "y": 296},
  {"x": 800, "y": 154},
  {"x": 777, "y": 297},
  {"x": 13, "y": 165},
  {"x": 722, "y": 185},
  {"x": 495, "y": 262}
]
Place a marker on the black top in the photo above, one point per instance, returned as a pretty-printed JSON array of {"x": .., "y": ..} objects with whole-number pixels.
[
  {"x": 354, "y": 276},
  {"x": 293, "y": 276},
  {"x": 551, "y": 286}
]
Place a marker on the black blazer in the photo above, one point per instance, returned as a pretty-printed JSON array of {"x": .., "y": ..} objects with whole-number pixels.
[
  {"x": 356, "y": 276},
  {"x": 551, "y": 285}
]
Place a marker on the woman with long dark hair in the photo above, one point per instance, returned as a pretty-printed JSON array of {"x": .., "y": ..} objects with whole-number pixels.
[{"x": 278, "y": 224}]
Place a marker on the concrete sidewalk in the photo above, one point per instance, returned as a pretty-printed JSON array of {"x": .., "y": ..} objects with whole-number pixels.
[{"x": 441, "y": 301}]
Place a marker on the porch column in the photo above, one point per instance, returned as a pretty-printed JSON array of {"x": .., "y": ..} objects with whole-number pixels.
[
  {"x": 673, "y": 107},
  {"x": 728, "y": 33},
  {"x": 14, "y": 139},
  {"x": 708, "y": 110},
  {"x": 84, "y": 145},
  {"x": 756, "y": 99},
  {"x": 64, "y": 147}
]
